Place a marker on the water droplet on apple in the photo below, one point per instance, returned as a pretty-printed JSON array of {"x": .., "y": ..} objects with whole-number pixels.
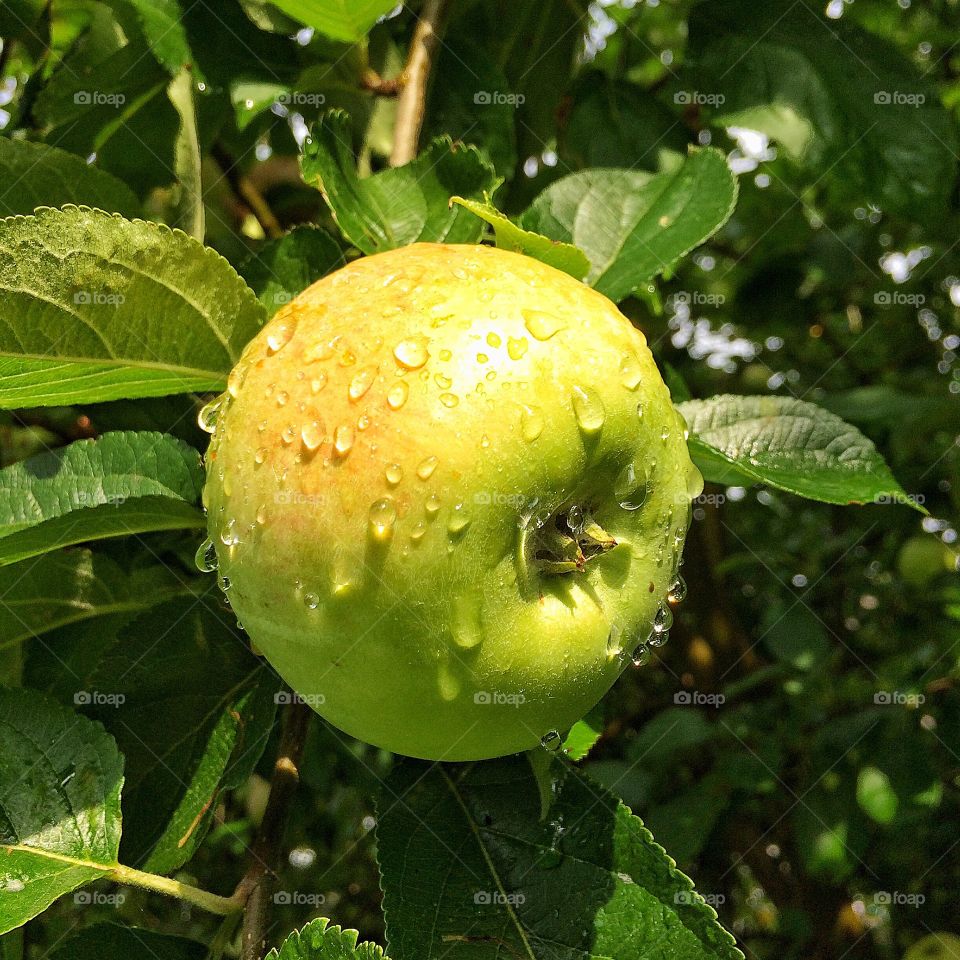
[
  {"x": 312, "y": 435},
  {"x": 551, "y": 741},
  {"x": 442, "y": 381},
  {"x": 261, "y": 514},
  {"x": 494, "y": 339},
  {"x": 541, "y": 325},
  {"x": 614, "y": 642},
  {"x": 449, "y": 399},
  {"x": 361, "y": 383},
  {"x": 411, "y": 353},
  {"x": 235, "y": 380},
  {"x": 207, "y": 417},
  {"x": 289, "y": 432},
  {"x": 678, "y": 590},
  {"x": 662, "y": 622},
  {"x": 260, "y": 456},
  {"x": 426, "y": 467},
  {"x": 383, "y": 517},
  {"x": 206, "y": 557},
  {"x": 588, "y": 409},
  {"x": 311, "y": 601},
  {"x": 393, "y": 473},
  {"x": 641, "y": 655},
  {"x": 318, "y": 351},
  {"x": 282, "y": 398},
  {"x": 517, "y": 347},
  {"x": 631, "y": 374},
  {"x": 640, "y": 410},
  {"x": 318, "y": 383},
  {"x": 223, "y": 582},
  {"x": 279, "y": 335},
  {"x": 397, "y": 396},
  {"x": 432, "y": 506},
  {"x": 419, "y": 529},
  {"x": 459, "y": 521},
  {"x": 631, "y": 492},
  {"x": 448, "y": 683},
  {"x": 343, "y": 440},
  {"x": 531, "y": 423},
  {"x": 229, "y": 536},
  {"x": 467, "y": 626}
]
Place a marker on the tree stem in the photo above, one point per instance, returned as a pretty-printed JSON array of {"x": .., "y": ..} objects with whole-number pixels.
[
  {"x": 174, "y": 888},
  {"x": 255, "y": 888},
  {"x": 245, "y": 189},
  {"x": 413, "y": 94}
]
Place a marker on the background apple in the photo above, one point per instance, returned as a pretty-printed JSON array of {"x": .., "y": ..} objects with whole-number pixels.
[{"x": 448, "y": 492}]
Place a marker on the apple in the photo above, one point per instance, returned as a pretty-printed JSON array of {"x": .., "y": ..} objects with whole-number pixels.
[{"x": 448, "y": 494}]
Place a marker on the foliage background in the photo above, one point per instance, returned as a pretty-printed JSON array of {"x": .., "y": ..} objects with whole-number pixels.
[{"x": 796, "y": 746}]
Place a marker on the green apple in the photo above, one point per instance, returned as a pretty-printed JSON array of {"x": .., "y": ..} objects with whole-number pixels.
[{"x": 448, "y": 494}]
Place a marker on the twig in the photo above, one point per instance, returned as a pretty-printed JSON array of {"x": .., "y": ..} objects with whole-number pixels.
[
  {"x": 245, "y": 189},
  {"x": 255, "y": 888},
  {"x": 413, "y": 94},
  {"x": 380, "y": 86}
]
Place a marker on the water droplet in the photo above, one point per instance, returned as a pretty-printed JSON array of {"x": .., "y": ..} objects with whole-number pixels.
[
  {"x": 662, "y": 622},
  {"x": 228, "y": 535},
  {"x": 467, "y": 626},
  {"x": 449, "y": 399},
  {"x": 432, "y": 506},
  {"x": 448, "y": 683},
  {"x": 631, "y": 373},
  {"x": 318, "y": 351},
  {"x": 517, "y": 347},
  {"x": 235, "y": 380},
  {"x": 694, "y": 482},
  {"x": 318, "y": 383},
  {"x": 289, "y": 432},
  {"x": 614, "y": 642},
  {"x": 279, "y": 334},
  {"x": 459, "y": 521},
  {"x": 363, "y": 421},
  {"x": 361, "y": 383},
  {"x": 207, "y": 417},
  {"x": 223, "y": 582},
  {"x": 311, "y": 601},
  {"x": 494, "y": 339},
  {"x": 588, "y": 409},
  {"x": 641, "y": 655},
  {"x": 343, "y": 440},
  {"x": 640, "y": 410},
  {"x": 443, "y": 382},
  {"x": 206, "y": 557},
  {"x": 446, "y": 355},
  {"x": 426, "y": 467},
  {"x": 541, "y": 325},
  {"x": 312, "y": 435},
  {"x": 419, "y": 529},
  {"x": 261, "y": 517},
  {"x": 394, "y": 474},
  {"x": 678, "y": 590},
  {"x": 282, "y": 398},
  {"x": 551, "y": 742},
  {"x": 576, "y": 519},
  {"x": 411, "y": 352},
  {"x": 383, "y": 517},
  {"x": 347, "y": 359},
  {"x": 665, "y": 434},
  {"x": 482, "y": 358},
  {"x": 631, "y": 492},
  {"x": 398, "y": 394},
  {"x": 531, "y": 423},
  {"x": 260, "y": 456}
]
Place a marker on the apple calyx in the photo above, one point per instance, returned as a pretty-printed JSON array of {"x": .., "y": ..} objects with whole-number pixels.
[{"x": 568, "y": 541}]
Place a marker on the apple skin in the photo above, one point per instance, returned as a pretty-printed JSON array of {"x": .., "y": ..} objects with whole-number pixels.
[{"x": 388, "y": 462}]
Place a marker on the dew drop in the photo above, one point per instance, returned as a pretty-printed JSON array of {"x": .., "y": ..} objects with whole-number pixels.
[
  {"x": 280, "y": 334},
  {"x": 361, "y": 383},
  {"x": 397, "y": 396},
  {"x": 318, "y": 383},
  {"x": 262, "y": 514},
  {"x": 494, "y": 339},
  {"x": 588, "y": 409},
  {"x": 678, "y": 590},
  {"x": 282, "y": 398},
  {"x": 443, "y": 382},
  {"x": 311, "y": 601},
  {"x": 207, "y": 417},
  {"x": 411, "y": 353},
  {"x": 631, "y": 374},
  {"x": 551, "y": 742},
  {"x": 289, "y": 432},
  {"x": 631, "y": 492},
  {"x": 448, "y": 684},
  {"x": 641, "y": 655},
  {"x": 318, "y": 351},
  {"x": 531, "y": 423},
  {"x": 467, "y": 626},
  {"x": 419, "y": 529},
  {"x": 206, "y": 557},
  {"x": 235, "y": 380},
  {"x": 614, "y": 642},
  {"x": 228, "y": 535},
  {"x": 446, "y": 355},
  {"x": 662, "y": 622},
  {"x": 383, "y": 517},
  {"x": 343, "y": 440},
  {"x": 426, "y": 468},
  {"x": 541, "y": 325},
  {"x": 432, "y": 506},
  {"x": 312, "y": 435},
  {"x": 260, "y": 456},
  {"x": 449, "y": 399},
  {"x": 223, "y": 582},
  {"x": 394, "y": 474},
  {"x": 517, "y": 347},
  {"x": 459, "y": 521}
]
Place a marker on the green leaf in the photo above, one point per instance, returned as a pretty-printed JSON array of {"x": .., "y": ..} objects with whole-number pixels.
[
  {"x": 791, "y": 445},
  {"x": 318, "y": 941},
  {"x": 401, "y": 205},
  {"x": 584, "y": 734},
  {"x": 94, "y": 307},
  {"x": 795, "y": 636},
  {"x": 633, "y": 225},
  {"x": 834, "y": 97},
  {"x": 60, "y": 782},
  {"x": 45, "y": 593},
  {"x": 162, "y": 24},
  {"x": 37, "y": 175},
  {"x": 110, "y": 941},
  {"x": 563, "y": 256},
  {"x": 876, "y": 796},
  {"x": 122, "y": 483},
  {"x": 182, "y": 660},
  {"x": 284, "y": 267},
  {"x": 346, "y": 20},
  {"x": 686, "y": 819},
  {"x": 587, "y": 879}
]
